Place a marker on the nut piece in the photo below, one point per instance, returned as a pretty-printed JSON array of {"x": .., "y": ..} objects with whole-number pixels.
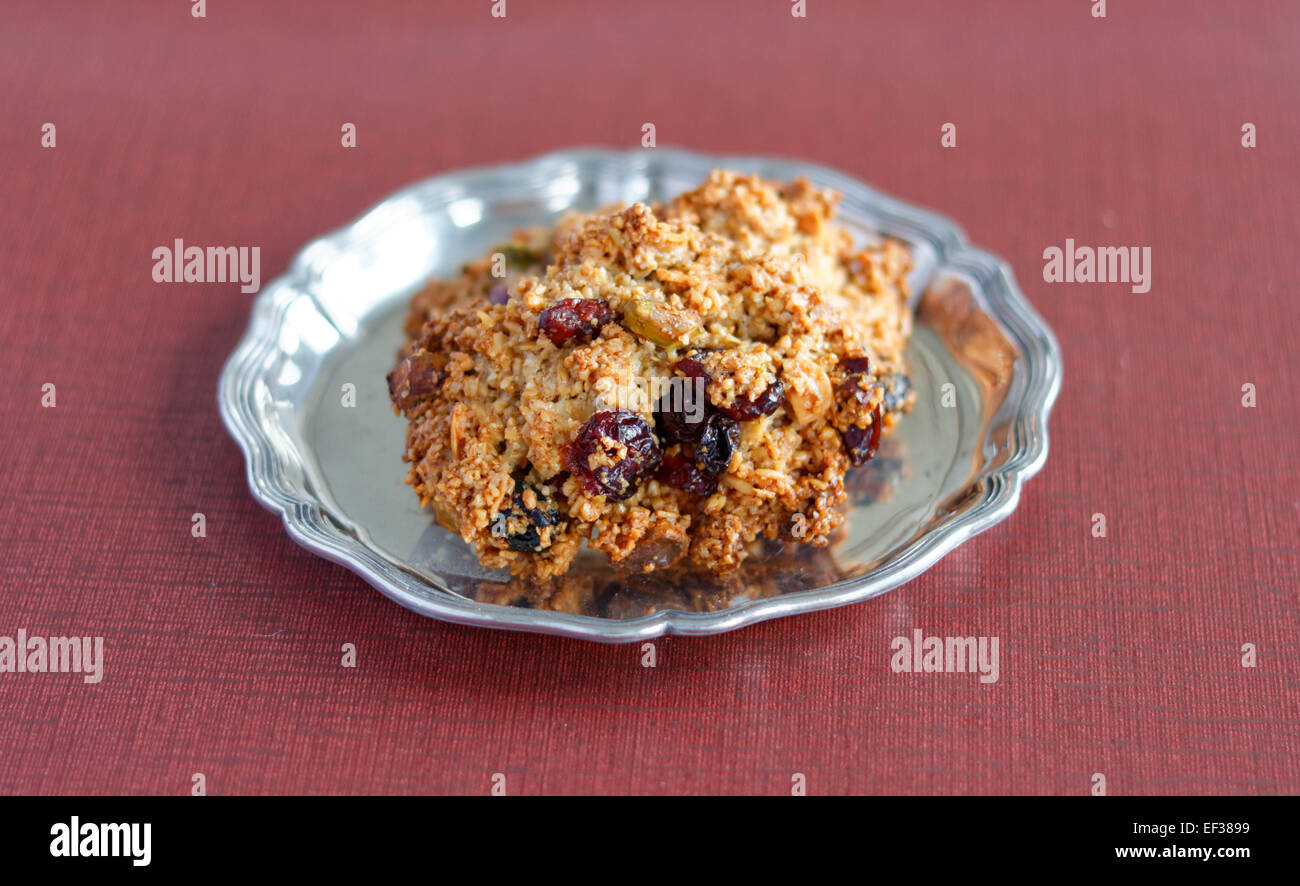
[
  {"x": 415, "y": 380},
  {"x": 809, "y": 393},
  {"x": 660, "y": 322}
]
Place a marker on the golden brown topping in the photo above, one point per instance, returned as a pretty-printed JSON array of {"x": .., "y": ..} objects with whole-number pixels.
[{"x": 552, "y": 399}]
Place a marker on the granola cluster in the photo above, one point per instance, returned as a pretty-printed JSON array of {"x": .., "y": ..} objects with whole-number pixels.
[{"x": 665, "y": 383}]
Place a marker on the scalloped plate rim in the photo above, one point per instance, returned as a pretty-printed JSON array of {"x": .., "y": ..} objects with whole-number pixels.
[{"x": 302, "y": 515}]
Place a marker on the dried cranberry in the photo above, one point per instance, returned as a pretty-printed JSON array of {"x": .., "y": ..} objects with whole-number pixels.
[
  {"x": 741, "y": 408},
  {"x": 861, "y": 443},
  {"x": 679, "y": 473},
  {"x": 570, "y": 317},
  {"x": 415, "y": 379},
  {"x": 856, "y": 366},
  {"x": 857, "y": 370},
  {"x": 744, "y": 409},
  {"x": 717, "y": 444},
  {"x": 693, "y": 368},
  {"x": 633, "y": 453},
  {"x": 850, "y": 389}
]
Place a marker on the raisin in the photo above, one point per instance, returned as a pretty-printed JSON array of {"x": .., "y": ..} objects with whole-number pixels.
[
  {"x": 525, "y": 541},
  {"x": 674, "y": 421},
  {"x": 570, "y": 317},
  {"x": 544, "y": 514},
  {"x": 519, "y": 525},
  {"x": 632, "y": 452},
  {"x": 677, "y": 425},
  {"x": 897, "y": 387},
  {"x": 745, "y": 409},
  {"x": 717, "y": 444},
  {"x": 861, "y": 443},
  {"x": 498, "y": 294},
  {"x": 680, "y": 473},
  {"x": 414, "y": 380}
]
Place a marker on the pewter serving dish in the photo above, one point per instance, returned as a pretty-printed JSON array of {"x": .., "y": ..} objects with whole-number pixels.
[{"x": 985, "y": 367}]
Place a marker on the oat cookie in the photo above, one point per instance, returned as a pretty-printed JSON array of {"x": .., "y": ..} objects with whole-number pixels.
[{"x": 663, "y": 383}]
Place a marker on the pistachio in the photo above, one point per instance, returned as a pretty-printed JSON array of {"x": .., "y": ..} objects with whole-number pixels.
[
  {"x": 520, "y": 256},
  {"x": 416, "y": 379},
  {"x": 657, "y": 321}
]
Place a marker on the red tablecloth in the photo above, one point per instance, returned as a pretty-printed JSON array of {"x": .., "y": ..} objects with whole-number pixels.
[{"x": 1120, "y": 655}]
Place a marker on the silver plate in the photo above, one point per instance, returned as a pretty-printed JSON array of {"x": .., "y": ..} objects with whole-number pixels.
[{"x": 335, "y": 475}]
